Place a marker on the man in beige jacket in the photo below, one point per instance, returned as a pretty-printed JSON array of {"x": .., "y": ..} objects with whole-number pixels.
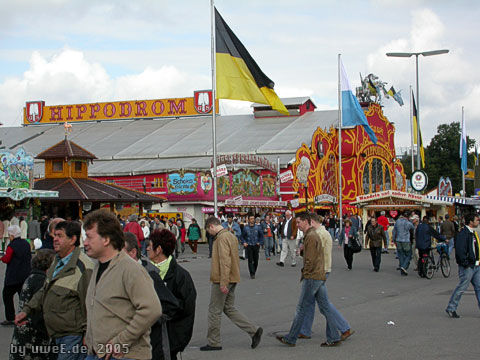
[
  {"x": 122, "y": 304},
  {"x": 224, "y": 275}
]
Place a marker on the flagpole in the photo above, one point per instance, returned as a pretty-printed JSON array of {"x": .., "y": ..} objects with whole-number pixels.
[
  {"x": 411, "y": 127},
  {"x": 461, "y": 141},
  {"x": 214, "y": 110},
  {"x": 419, "y": 166},
  {"x": 340, "y": 143}
]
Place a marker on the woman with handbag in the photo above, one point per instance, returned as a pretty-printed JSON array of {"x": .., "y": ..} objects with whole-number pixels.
[
  {"x": 347, "y": 237},
  {"x": 374, "y": 238}
]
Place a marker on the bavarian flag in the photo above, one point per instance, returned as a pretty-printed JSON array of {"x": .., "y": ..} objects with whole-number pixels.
[
  {"x": 238, "y": 75},
  {"x": 422, "y": 150}
]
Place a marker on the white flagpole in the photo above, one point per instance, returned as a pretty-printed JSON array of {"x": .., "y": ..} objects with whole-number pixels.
[
  {"x": 461, "y": 141},
  {"x": 214, "y": 110},
  {"x": 340, "y": 142},
  {"x": 411, "y": 126}
]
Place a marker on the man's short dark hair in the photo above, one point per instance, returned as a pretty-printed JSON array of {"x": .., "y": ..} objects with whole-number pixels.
[
  {"x": 212, "y": 221},
  {"x": 107, "y": 226},
  {"x": 447, "y": 216},
  {"x": 470, "y": 217},
  {"x": 229, "y": 216},
  {"x": 71, "y": 228},
  {"x": 315, "y": 217},
  {"x": 43, "y": 259},
  {"x": 304, "y": 216},
  {"x": 165, "y": 239},
  {"x": 131, "y": 243}
]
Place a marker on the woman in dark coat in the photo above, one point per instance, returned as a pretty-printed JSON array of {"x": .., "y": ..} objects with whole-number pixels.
[
  {"x": 33, "y": 333},
  {"x": 180, "y": 283},
  {"x": 17, "y": 257},
  {"x": 347, "y": 235}
]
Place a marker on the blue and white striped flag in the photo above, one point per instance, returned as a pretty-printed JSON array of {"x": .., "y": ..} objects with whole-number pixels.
[
  {"x": 463, "y": 146},
  {"x": 352, "y": 113}
]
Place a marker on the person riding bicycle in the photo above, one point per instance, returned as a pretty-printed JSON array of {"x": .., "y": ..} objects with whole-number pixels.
[{"x": 423, "y": 237}]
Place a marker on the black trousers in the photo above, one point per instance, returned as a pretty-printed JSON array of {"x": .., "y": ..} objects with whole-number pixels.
[
  {"x": 376, "y": 253},
  {"x": 252, "y": 257},
  {"x": 348, "y": 254},
  {"x": 8, "y": 294},
  {"x": 421, "y": 254}
]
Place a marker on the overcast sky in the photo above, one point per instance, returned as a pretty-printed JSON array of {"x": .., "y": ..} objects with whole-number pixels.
[{"x": 80, "y": 51}]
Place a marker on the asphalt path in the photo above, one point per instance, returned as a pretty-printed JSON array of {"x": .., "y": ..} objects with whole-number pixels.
[{"x": 394, "y": 317}]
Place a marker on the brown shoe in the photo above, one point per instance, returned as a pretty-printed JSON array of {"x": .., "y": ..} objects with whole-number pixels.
[
  {"x": 347, "y": 334},
  {"x": 330, "y": 344},
  {"x": 284, "y": 341},
  {"x": 301, "y": 336}
]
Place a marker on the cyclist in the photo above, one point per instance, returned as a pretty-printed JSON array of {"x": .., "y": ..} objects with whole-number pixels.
[{"x": 423, "y": 237}]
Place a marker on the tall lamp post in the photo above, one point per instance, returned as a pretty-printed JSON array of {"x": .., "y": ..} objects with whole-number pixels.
[{"x": 416, "y": 54}]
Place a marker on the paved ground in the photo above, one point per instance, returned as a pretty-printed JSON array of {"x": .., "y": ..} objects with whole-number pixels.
[{"x": 414, "y": 307}]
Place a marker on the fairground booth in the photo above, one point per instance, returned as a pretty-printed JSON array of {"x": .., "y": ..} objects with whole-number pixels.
[
  {"x": 17, "y": 196},
  {"x": 66, "y": 173}
]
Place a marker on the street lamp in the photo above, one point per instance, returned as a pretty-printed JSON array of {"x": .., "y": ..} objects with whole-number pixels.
[{"x": 410, "y": 54}]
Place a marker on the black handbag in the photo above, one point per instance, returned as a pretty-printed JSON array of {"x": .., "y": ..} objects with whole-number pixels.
[{"x": 355, "y": 244}]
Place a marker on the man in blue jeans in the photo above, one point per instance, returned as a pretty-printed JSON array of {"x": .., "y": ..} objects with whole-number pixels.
[
  {"x": 467, "y": 254},
  {"x": 343, "y": 325},
  {"x": 313, "y": 286},
  {"x": 402, "y": 238}
]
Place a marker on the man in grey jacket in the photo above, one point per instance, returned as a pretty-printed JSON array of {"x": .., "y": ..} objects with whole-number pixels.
[{"x": 403, "y": 237}]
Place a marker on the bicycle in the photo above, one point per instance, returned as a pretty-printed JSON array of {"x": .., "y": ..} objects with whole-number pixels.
[{"x": 443, "y": 262}]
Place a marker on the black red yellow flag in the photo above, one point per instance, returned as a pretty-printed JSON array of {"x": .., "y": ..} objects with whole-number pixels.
[
  {"x": 415, "y": 124},
  {"x": 237, "y": 74}
]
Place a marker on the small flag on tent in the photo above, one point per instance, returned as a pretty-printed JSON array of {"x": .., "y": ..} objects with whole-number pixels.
[
  {"x": 352, "y": 113},
  {"x": 238, "y": 75},
  {"x": 422, "y": 150}
]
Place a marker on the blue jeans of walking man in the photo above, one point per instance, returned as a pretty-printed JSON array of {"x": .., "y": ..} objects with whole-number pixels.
[
  {"x": 71, "y": 347},
  {"x": 268, "y": 245},
  {"x": 313, "y": 290},
  {"x": 306, "y": 328},
  {"x": 466, "y": 275},
  {"x": 404, "y": 252}
]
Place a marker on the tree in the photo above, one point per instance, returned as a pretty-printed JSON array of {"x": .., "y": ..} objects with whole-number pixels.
[{"x": 442, "y": 157}]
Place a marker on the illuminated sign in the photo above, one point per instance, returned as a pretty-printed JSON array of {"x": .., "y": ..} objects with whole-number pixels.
[{"x": 37, "y": 113}]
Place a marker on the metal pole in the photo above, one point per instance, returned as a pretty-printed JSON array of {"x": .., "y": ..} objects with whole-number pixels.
[
  {"x": 418, "y": 115},
  {"x": 461, "y": 140},
  {"x": 214, "y": 110},
  {"x": 411, "y": 127},
  {"x": 340, "y": 143},
  {"x": 278, "y": 179}
]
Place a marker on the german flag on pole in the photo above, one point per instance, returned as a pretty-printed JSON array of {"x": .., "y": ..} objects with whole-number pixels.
[
  {"x": 238, "y": 75},
  {"x": 415, "y": 124}
]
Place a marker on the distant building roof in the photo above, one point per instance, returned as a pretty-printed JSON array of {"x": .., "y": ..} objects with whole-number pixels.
[
  {"x": 65, "y": 149},
  {"x": 93, "y": 190},
  {"x": 293, "y": 101}
]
